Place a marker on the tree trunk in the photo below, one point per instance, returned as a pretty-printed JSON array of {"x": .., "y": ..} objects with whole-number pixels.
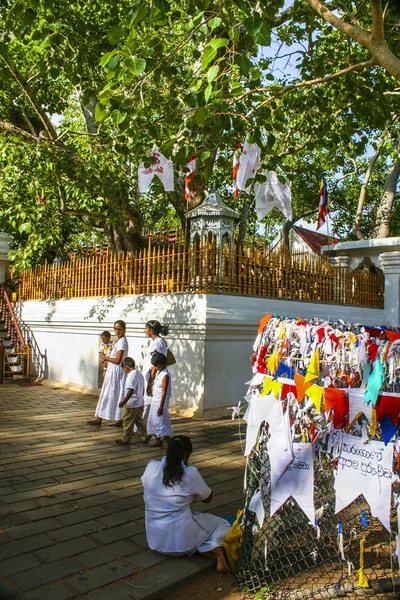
[
  {"x": 244, "y": 215},
  {"x": 382, "y": 220}
]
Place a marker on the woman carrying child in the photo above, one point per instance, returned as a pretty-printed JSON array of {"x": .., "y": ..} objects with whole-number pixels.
[
  {"x": 113, "y": 391},
  {"x": 158, "y": 422},
  {"x": 170, "y": 485}
]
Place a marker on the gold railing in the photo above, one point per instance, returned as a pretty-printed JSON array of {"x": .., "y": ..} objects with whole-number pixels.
[{"x": 206, "y": 269}]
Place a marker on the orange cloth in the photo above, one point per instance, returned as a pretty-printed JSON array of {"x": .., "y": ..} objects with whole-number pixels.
[
  {"x": 264, "y": 321},
  {"x": 301, "y": 386},
  {"x": 336, "y": 399}
]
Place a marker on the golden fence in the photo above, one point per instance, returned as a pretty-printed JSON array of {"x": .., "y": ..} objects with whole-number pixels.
[{"x": 205, "y": 268}]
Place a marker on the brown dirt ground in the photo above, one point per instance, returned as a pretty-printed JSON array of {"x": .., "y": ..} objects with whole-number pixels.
[{"x": 210, "y": 586}]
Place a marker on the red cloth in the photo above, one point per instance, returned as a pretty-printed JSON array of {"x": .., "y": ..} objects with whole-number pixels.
[
  {"x": 337, "y": 399},
  {"x": 261, "y": 368},
  {"x": 286, "y": 388},
  {"x": 320, "y": 333},
  {"x": 388, "y": 405},
  {"x": 392, "y": 335},
  {"x": 373, "y": 350}
]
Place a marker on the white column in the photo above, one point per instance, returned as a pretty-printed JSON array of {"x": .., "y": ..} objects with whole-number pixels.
[{"x": 390, "y": 262}]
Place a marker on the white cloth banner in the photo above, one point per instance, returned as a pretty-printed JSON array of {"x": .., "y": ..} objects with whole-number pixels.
[
  {"x": 280, "y": 446},
  {"x": 162, "y": 168},
  {"x": 357, "y": 406},
  {"x": 272, "y": 193},
  {"x": 297, "y": 481},
  {"x": 365, "y": 469},
  {"x": 260, "y": 409},
  {"x": 249, "y": 163}
]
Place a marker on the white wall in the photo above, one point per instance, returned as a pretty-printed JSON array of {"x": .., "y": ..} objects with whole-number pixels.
[{"x": 211, "y": 337}]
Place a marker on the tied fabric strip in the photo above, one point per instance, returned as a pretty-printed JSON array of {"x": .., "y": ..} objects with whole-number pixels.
[
  {"x": 375, "y": 381},
  {"x": 362, "y": 580}
]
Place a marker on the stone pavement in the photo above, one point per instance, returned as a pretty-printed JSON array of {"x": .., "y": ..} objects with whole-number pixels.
[{"x": 71, "y": 505}]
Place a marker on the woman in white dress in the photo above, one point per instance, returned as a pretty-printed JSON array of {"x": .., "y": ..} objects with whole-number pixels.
[
  {"x": 170, "y": 485},
  {"x": 112, "y": 391},
  {"x": 158, "y": 422},
  {"x": 157, "y": 344}
]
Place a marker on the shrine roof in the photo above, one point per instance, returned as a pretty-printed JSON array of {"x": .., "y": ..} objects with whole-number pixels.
[{"x": 213, "y": 206}]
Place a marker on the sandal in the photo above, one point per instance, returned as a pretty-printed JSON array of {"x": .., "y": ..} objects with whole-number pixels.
[
  {"x": 94, "y": 423},
  {"x": 156, "y": 444},
  {"x": 122, "y": 443}
]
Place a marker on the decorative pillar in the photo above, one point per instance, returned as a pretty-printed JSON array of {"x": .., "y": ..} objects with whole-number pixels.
[{"x": 390, "y": 263}]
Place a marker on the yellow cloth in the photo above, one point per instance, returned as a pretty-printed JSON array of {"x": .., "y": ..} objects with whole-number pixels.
[
  {"x": 313, "y": 370},
  {"x": 362, "y": 580},
  {"x": 271, "y": 385},
  {"x": 273, "y": 362},
  {"x": 267, "y": 384},
  {"x": 232, "y": 539},
  {"x": 315, "y": 392},
  {"x": 374, "y": 423}
]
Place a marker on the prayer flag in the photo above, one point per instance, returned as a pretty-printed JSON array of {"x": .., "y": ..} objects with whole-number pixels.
[
  {"x": 273, "y": 194},
  {"x": 172, "y": 236},
  {"x": 235, "y": 169},
  {"x": 315, "y": 392},
  {"x": 313, "y": 370},
  {"x": 248, "y": 165},
  {"x": 190, "y": 176},
  {"x": 161, "y": 167},
  {"x": 323, "y": 203}
]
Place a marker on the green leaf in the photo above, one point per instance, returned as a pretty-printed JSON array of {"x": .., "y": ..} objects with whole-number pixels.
[
  {"x": 201, "y": 115},
  {"x": 253, "y": 24},
  {"x": 112, "y": 63},
  {"x": 106, "y": 57},
  {"x": 208, "y": 92},
  {"x": 118, "y": 116},
  {"x": 135, "y": 65},
  {"x": 212, "y": 73},
  {"x": 139, "y": 15},
  {"x": 114, "y": 34},
  {"x": 218, "y": 43},
  {"x": 100, "y": 112},
  {"x": 263, "y": 36},
  {"x": 208, "y": 56},
  {"x": 243, "y": 62},
  {"x": 25, "y": 228},
  {"x": 46, "y": 42},
  {"x": 213, "y": 23}
]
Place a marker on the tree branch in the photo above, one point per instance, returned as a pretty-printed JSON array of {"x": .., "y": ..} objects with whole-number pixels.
[
  {"x": 13, "y": 129},
  {"x": 311, "y": 82},
  {"x": 288, "y": 224},
  {"x": 377, "y": 21},
  {"x": 357, "y": 33},
  {"x": 295, "y": 150}
]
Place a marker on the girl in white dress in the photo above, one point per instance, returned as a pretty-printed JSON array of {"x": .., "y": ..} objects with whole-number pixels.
[
  {"x": 158, "y": 422},
  {"x": 112, "y": 391},
  {"x": 170, "y": 485}
]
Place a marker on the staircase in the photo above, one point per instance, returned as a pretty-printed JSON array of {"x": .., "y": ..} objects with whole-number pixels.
[{"x": 15, "y": 352}]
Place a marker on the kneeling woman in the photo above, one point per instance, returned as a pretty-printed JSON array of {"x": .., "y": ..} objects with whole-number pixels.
[{"x": 170, "y": 485}]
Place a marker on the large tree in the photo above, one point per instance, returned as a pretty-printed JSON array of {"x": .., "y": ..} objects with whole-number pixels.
[{"x": 88, "y": 88}]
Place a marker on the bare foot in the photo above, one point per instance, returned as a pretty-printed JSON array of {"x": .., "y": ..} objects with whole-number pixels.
[
  {"x": 95, "y": 423},
  {"x": 156, "y": 444},
  {"x": 117, "y": 424},
  {"x": 222, "y": 563},
  {"x": 122, "y": 443}
]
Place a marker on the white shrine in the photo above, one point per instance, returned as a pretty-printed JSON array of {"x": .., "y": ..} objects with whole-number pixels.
[{"x": 212, "y": 217}]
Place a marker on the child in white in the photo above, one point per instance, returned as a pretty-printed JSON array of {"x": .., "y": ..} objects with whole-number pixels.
[
  {"x": 157, "y": 344},
  {"x": 105, "y": 348},
  {"x": 132, "y": 402},
  {"x": 159, "y": 423}
]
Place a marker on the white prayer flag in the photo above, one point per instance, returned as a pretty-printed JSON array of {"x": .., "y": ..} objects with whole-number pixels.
[
  {"x": 357, "y": 406},
  {"x": 297, "y": 481},
  {"x": 162, "y": 168},
  {"x": 260, "y": 409},
  {"x": 249, "y": 163},
  {"x": 272, "y": 193},
  {"x": 365, "y": 469},
  {"x": 280, "y": 446}
]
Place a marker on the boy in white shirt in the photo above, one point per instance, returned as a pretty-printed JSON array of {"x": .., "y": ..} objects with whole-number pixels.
[{"x": 132, "y": 403}]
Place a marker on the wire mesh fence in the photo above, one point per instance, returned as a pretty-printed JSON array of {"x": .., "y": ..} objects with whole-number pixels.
[{"x": 289, "y": 558}]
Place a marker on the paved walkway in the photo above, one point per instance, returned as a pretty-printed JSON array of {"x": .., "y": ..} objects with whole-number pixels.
[{"x": 71, "y": 505}]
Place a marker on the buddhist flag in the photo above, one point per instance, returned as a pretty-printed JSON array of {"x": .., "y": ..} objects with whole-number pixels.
[
  {"x": 190, "y": 176},
  {"x": 323, "y": 203},
  {"x": 313, "y": 371},
  {"x": 172, "y": 236},
  {"x": 236, "y": 163}
]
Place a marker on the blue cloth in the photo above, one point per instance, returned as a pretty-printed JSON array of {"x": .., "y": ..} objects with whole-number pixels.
[
  {"x": 375, "y": 381},
  {"x": 388, "y": 428}
]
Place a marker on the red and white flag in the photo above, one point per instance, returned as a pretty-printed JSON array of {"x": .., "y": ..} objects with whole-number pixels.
[
  {"x": 235, "y": 169},
  {"x": 190, "y": 176}
]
